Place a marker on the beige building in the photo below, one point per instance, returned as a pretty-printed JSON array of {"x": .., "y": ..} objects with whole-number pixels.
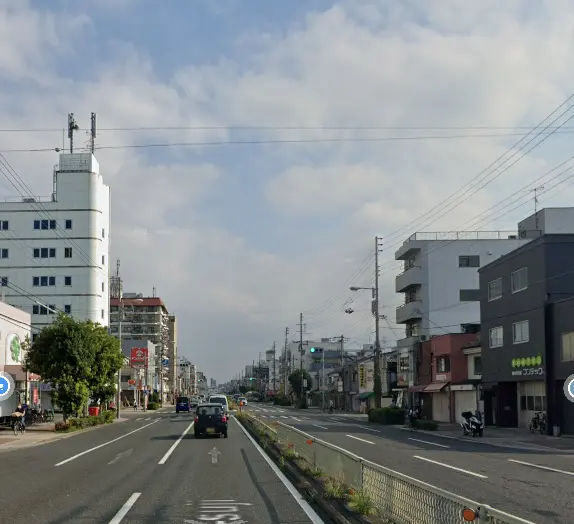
[{"x": 173, "y": 371}]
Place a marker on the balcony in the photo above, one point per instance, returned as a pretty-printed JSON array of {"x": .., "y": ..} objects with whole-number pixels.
[
  {"x": 415, "y": 276},
  {"x": 409, "y": 311}
]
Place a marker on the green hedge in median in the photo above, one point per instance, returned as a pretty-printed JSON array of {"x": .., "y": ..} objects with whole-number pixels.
[
  {"x": 153, "y": 405},
  {"x": 389, "y": 416}
]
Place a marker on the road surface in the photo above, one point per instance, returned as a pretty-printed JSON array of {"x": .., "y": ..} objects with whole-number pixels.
[
  {"x": 147, "y": 471},
  {"x": 535, "y": 485}
]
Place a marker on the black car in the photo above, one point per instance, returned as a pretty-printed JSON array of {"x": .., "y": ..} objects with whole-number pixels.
[{"x": 210, "y": 419}]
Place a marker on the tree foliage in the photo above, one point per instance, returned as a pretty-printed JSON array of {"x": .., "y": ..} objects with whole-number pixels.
[
  {"x": 79, "y": 359},
  {"x": 296, "y": 378}
]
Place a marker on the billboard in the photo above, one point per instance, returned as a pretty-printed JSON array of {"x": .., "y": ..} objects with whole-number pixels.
[{"x": 138, "y": 358}]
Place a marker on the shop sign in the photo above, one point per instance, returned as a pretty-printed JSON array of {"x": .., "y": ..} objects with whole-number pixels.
[{"x": 527, "y": 366}]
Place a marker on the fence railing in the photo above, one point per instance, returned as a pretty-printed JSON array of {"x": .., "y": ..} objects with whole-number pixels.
[{"x": 398, "y": 498}]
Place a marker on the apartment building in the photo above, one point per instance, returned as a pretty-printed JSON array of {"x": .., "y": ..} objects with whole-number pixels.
[
  {"x": 54, "y": 250},
  {"x": 146, "y": 318},
  {"x": 440, "y": 283},
  {"x": 172, "y": 358}
]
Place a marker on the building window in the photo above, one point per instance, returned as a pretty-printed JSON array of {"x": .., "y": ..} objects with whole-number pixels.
[
  {"x": 68, "y": 224},
  {"x": 44, "y": 224},
  {"x": 44, "y": 252},
  {"x": 43, "y": 310},
  {"x": 103, "y": 260},
  {"x": 67, "y": 252},
  {"x": 4, "y": 281},
  {"x": 520, "y": 332},
  {"x": 67, "y": 281},
  {"x": 52, "y": 309},
  {"x": 495, "y": 336},
  {"x": 4, "y": 253},
  {"x": 103, "y": 314},
  {"x": 469, "y": 261},
  {"x": 532, "y": 396},
  {"x": 469, "y": 295},
  {"x": 103, "y": 287},
  {"x": 443, "y": 365},
  {"x": 36, "y": 224},
  {"x": 103, "y": 233},
  {"x": 67, "y": 309},
  {"x": 519, "y": 280},
  {"x": 35, "y": 310},
  {"x": 34, "y": 336},
  {"x": 494, "y": 289},
  {"x": 44, "y": 281},
  {"x": 5, "y": 225},
  {"x": 567, "y": 353},
  {"x": 477, "y": 365}
]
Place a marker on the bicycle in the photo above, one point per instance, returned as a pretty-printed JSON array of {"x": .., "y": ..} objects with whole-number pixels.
[{"x": 17, "y": 426}]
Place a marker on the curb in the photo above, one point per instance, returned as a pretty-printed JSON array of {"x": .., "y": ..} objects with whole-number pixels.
[{"x": 306, "y": 487}]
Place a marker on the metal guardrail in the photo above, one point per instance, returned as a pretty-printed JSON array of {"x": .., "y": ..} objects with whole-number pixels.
[{"x": 398, "y": 498}]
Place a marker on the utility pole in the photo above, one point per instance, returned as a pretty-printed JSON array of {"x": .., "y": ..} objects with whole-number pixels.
[
  {"x": 377, "y": 371},
  {"x": 342, "y": 350},
  {"x": 285, "y": 364},
  {"x": 274, "y": 368},
  {"x": 301, "y": 352}
]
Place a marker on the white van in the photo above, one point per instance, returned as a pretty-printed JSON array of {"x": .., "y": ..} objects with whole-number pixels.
[{"x": 220, "y": 399}]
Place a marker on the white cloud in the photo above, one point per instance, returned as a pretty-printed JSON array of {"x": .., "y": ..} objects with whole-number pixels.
[{"x": 358, "y": 64}]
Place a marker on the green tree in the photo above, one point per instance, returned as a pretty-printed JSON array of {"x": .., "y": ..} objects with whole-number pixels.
[
  {"x": 295, "y": 379},
  {"x": 78, "y": 358}
]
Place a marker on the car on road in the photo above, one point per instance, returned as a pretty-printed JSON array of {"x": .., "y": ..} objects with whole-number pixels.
[
  {"x": 210, "y": 419},
  {"x": 220, "y": 399},
  {"x": 182, "y": 404},
  {"x": 194, "y": 402}
]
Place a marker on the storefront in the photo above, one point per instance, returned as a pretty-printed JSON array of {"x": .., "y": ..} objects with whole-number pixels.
[{"x": 440, "y": 393}]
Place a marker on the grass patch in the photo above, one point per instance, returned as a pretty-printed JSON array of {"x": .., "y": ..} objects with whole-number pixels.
[
  {"x": 360, "y": 502},
  {"x": 334, "y": 488}
]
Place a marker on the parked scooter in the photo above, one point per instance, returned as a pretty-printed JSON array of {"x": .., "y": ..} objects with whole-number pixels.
[{"x": 471, "y": 424}]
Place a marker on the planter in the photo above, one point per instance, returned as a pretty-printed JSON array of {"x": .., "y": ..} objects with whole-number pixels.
[{"x": 94, "y": 411}]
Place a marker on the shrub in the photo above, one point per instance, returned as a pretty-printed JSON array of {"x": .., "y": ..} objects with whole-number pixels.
[
  {"x": 152, "y": 405},
  {"x": 76, "y": 423},
  {"x": 428, "y": 425},
  {"x": 281, "y": 400},
  {"x": 62, "y": 426},
  {"x": 389, "y": 416}
]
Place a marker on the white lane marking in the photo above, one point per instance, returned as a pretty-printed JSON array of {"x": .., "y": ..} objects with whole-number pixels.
[
  {"x": 175, "y": 444},
  {"x": 297, "y": 419},
  {"x": 431, "y": 443},
  {"x": 104, "y": 444},
  {"x": 125, "y": 508},
  {"x": 149, "y": 418},
  {"x": 317, "y": 426},
  {"x": 282, "y": 416},
  {"x": 452, "y": 467},
  {"x": 554, "y": 470},
  {"x": 137, "y": 419},
  {"x": 361, "y": 439},
  {"x": 309, "y": 511},
  {"x": 369, "y": 429}
]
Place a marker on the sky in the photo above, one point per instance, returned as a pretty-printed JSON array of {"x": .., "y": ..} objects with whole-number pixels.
[{"x": 254, "y": 149}]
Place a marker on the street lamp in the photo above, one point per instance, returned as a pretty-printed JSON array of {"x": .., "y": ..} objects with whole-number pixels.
[
  {"x": 377, "y": 386},
  {"x": 121, "y": 307}
]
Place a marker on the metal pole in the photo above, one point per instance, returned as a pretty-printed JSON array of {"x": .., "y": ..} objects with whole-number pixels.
[
  {"x": 302, "y": 392},
  {"x": 274, "y": 369},
  {"x": 377, "y": 372},
  {"x": 323, "y": 379},
  {"x": 119, "y": 392}
]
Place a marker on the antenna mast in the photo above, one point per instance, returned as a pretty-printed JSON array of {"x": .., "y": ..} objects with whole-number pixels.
[
  {"x": 93, "y": 133},
  {"x": 72, "y": 126}
]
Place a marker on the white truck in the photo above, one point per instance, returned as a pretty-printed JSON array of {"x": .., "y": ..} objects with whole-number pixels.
[{"x": 7, "y": 407}]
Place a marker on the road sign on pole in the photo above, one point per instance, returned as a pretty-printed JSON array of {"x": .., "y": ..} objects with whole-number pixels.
[{"x": 138, "y": 358}]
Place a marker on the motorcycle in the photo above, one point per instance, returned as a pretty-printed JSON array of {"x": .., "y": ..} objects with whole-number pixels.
[
  {"x": 471, "y": 424},
  {"x": 538, "y": 423}
]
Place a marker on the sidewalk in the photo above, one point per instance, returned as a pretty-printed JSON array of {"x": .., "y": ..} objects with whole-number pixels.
[{"x": 507, "y": 438}]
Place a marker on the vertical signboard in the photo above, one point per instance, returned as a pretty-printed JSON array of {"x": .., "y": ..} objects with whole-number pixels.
[{"x": 138, "y": 358}]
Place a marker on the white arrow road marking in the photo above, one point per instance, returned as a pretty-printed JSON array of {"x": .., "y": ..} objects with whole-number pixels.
[
  {"x": 214, "y": 454},
  {"x": 125, "y": 508},
  {"x": 121, "y": 455}
]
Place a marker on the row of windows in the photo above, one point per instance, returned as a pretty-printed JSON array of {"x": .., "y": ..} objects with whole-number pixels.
[
  {"x": 49, "y": 281},
  {"x": 51, "y": 310},
  {"x": 518, "y": 282},
  {"x": 520, "y": 334},
  {"x": 50, "y": 252},
  {"x": 51, "y": 224}
]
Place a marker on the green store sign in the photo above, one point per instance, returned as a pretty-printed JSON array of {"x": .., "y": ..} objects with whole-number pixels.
[{"x": 527, "y": 362}]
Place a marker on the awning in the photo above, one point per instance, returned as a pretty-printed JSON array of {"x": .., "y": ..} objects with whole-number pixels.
[
  {"x": 417, "y": 389},
  {"x": 465, "y": 385},
  {"x": 435, "y": 387},
  {"x": 366, "y": 395}
]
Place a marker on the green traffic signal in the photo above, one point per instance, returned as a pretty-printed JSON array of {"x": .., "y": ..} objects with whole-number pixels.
[{"x": 313, "y": 350}]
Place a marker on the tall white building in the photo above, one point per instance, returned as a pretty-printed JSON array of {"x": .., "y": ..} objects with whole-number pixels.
[
  {"x": 440, "y": 281},
  {"x": 54, "y": 250}
]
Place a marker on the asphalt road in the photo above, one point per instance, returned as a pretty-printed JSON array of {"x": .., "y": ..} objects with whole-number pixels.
[
  {"x": 483, "y": 473},
  {"x": 147, "y": 472}
]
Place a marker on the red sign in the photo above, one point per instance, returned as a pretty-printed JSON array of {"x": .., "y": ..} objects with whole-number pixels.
[{"x": 138, "y": 358}]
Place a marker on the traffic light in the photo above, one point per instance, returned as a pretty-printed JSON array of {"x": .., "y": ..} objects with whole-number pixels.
[
  {"x": 251, "y": 378},
  {"x": 316, "y": 350}
]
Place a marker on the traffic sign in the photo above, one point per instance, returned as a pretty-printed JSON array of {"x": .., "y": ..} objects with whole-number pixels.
[
  {"x": 6, "y": 385},
  {"x": 138, "y": 358}
]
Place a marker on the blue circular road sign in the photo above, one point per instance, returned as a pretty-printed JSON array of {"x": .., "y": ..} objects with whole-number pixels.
[
  {"x": 569, "y": 388},
  {"x": 6, "y": 385}
]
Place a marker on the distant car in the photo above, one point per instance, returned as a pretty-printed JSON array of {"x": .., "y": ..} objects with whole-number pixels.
[
  {"x": 210, "y": 419},
  {"x": 182, "y": 404},
  {"x": 194, "y": 402},
  {"x": 220, "y": 399},
  {"x": 242, "y": 399}
]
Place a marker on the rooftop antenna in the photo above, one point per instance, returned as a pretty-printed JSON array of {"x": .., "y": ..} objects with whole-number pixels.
[
  {"x": 72, "y": 126},
  {"x": 93, "y": 133},
  {"x": 153, "y": 292},
  {"x": 535, "y": 191}
]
